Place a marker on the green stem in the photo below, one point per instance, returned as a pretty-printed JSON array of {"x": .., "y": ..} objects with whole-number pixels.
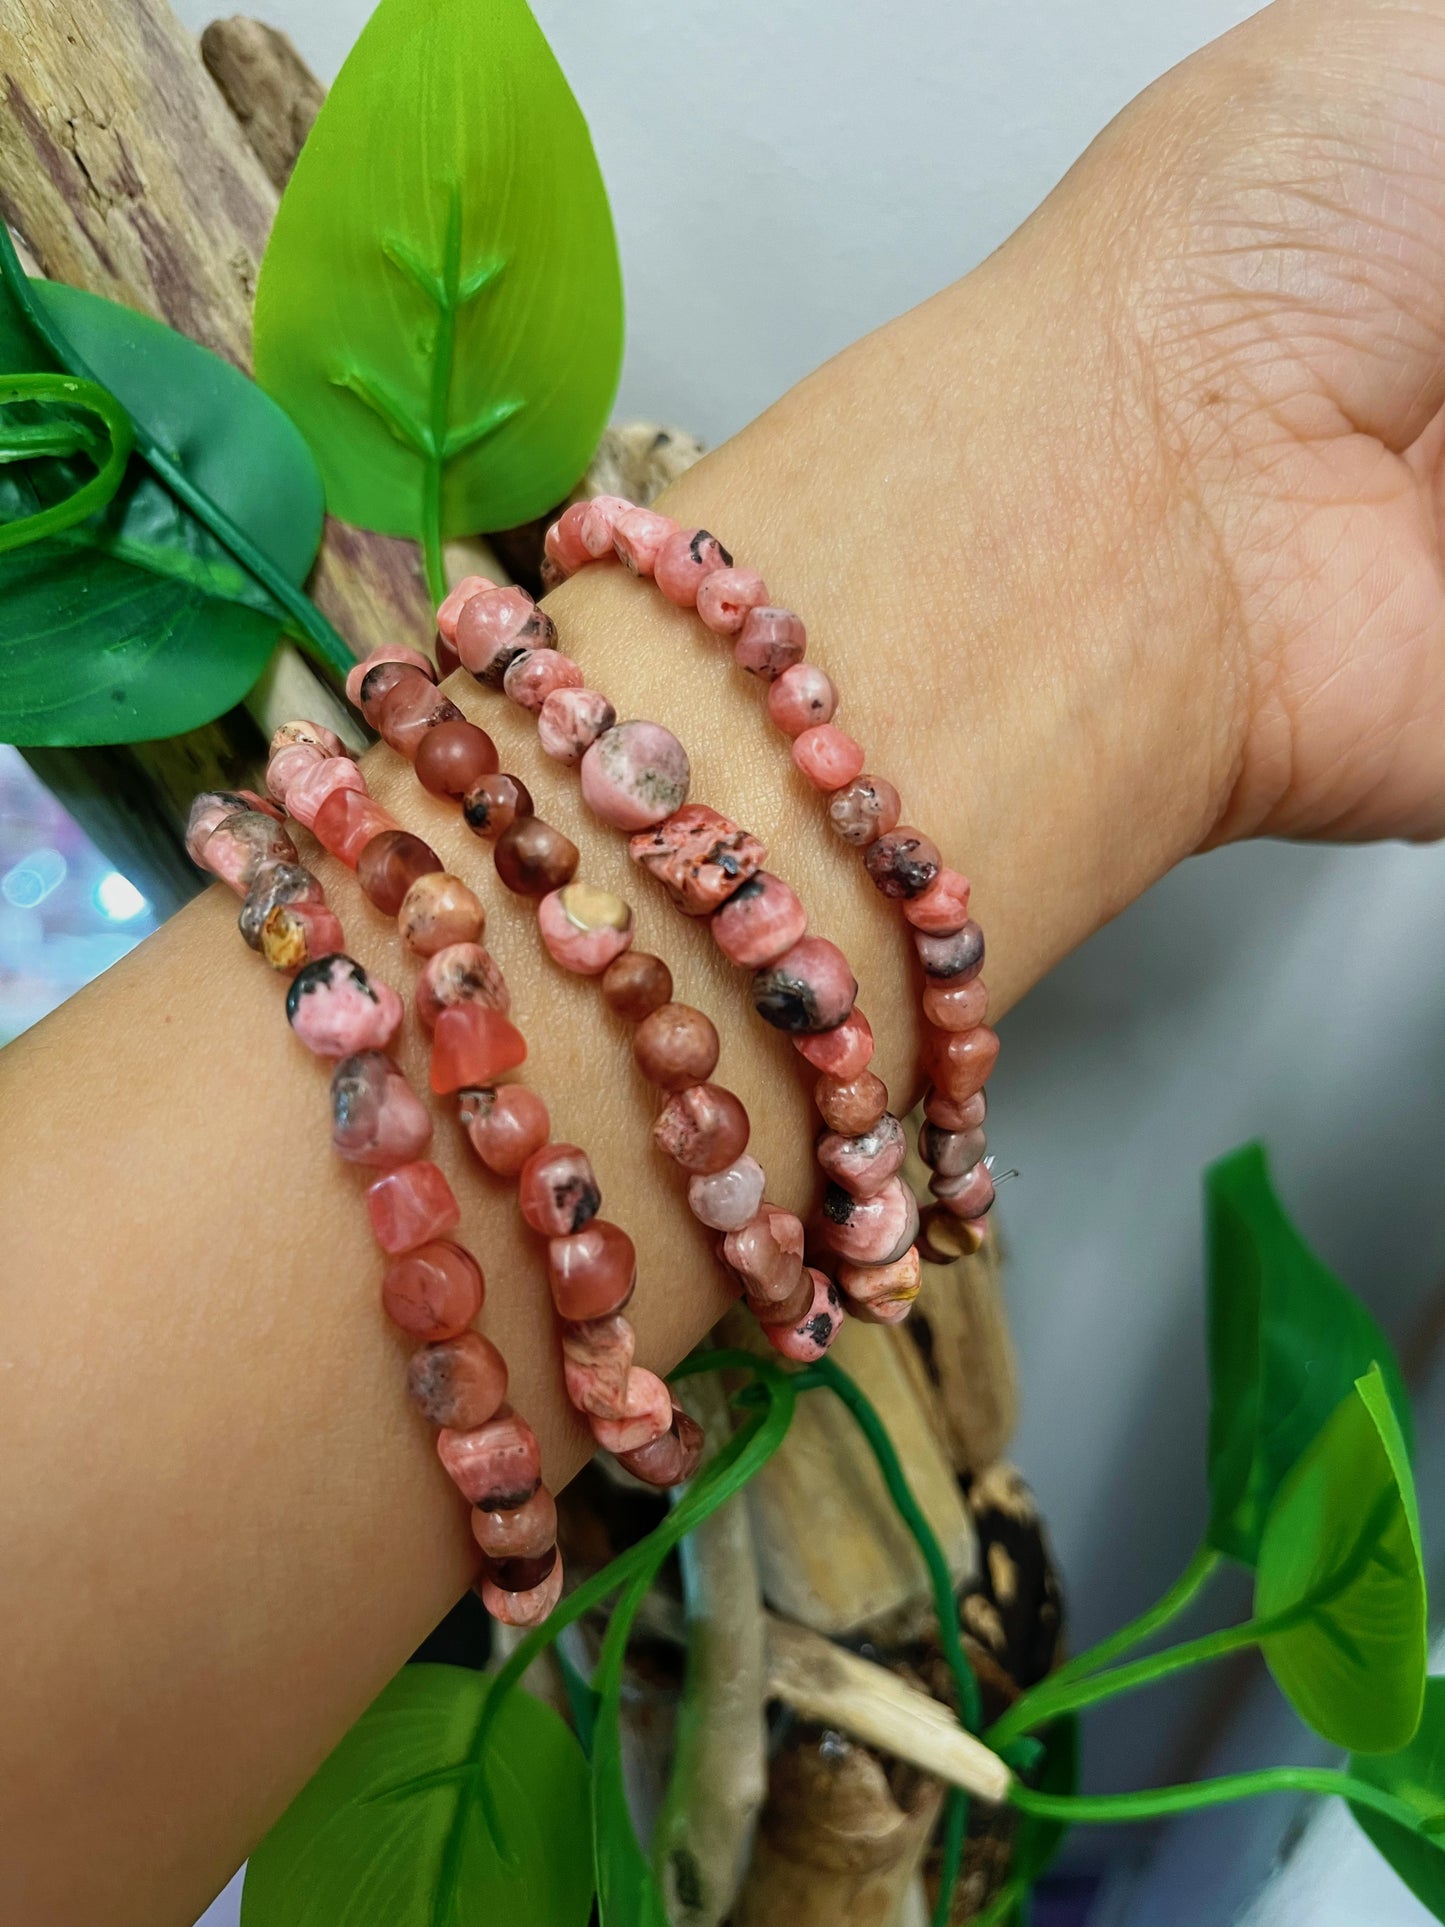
[
  {"x": 1159, "y": 1802},
  {"x": 66, "y": 391},
  {"x": 1004, "y": 1905}
]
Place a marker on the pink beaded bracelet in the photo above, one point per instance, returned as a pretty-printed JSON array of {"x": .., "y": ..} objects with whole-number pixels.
[
  {"x": 433, "y": 1287},
  {"x": 694, "y": 571}
]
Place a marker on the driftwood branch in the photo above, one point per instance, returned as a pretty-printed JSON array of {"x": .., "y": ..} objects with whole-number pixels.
[{"x": 267, "y": 86}]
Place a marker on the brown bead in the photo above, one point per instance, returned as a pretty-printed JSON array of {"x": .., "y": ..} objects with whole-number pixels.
[
  {"x": 534, "y": 859},
  {"x": 676, "y": 1046},
  {"x": 635, "y": 984},
  {"x": 410, "y": 709},
  {"x": 943, "y": 1239},
  {"x": 448, "y": 661},
  {"x": 378, "y": 683},
  {"x": 494, "y": 804},
  {"x": 519, "y": 1575},
  {"x": 853, "y": 1105},
  {"x": 702, "y": 1128},
  {"x": 453, "y": 757},
  {"x": 390, "y": 864}
]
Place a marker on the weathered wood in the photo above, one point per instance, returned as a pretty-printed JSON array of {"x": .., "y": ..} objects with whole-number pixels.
[{"x": 267, "y": 86}]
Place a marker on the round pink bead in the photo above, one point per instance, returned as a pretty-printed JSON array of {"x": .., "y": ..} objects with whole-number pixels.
[
  {"x": 311, "y": 787},
  {"x": 495, "y": 627},
  {"x": 903, "y": 862},
  {"x": 759, "y": 922},
  {"x": 526, "y": 1532},
  {"x": 244, "y": 844},
  {"x": 862, "y": 1165},
  {"x": 956, "y": 1006},
  {"x": 702, "y": 1128},
  {"x": 827, "y": 757},
  {"x": 592, "y": 1272},
  {"x": 808, "y": 1339},
  {"x": 347, "y": 821},
  {"x": 597, "y": 524},
  {"x": 287, "y": 764},
  {"x": 634, "y": 775},
  {"x": 646, "y": 1416},
  {"x": 570, "y": 721},
  {"x": 670, "y": 1459},
  {"x": 562, "y": 544},
  {"x": 767, "y": 1255},
  {"x": 558, "y": 1192},
  {"x": 392, "y": 652},
  {"x": 967, "y": 1196},
  {"x": 460, "y": 1382},
  {"x": 584, "y": 928},
  {"x": 953, "y": 959},
  {"x": 769, "y": 642},
  {"x": 463, "y": 973},
  {"x": 948, "y": 1154},
  {"x": 316, "y": 735},
  {"x": 638, "y": 535},
  {"x": 376, "y": 1116},
  {"x": 411, "y": 1206},
  {"x": 955, "y": 1114},
  {"x": 728, "y": 1199},
  {"x": 864, "y": 810},
  {"x": 726, "y": 595},
  {"x": 809, "y": 987},
  {"x": 410, "y": 710},
  {"x": 522, "y": 1609},
  {"x": 884, "y": 1293},
  {"x": 433, "y": 1292},
  {"x": 455, "y": 600},
  {"x": 532, "y": 678},
  {"x": 378, "y": 683},
  {"x": 959, "y": 1061},
  {"x": 211, "y": 808},
  {"x": 801, "y": 698},
  {"x": 336, "y": 1009},
  {"x": 596, "y": 1358},
  {"x": 276, "y": 884},
  {"x": 498, "y": 1466},
  {"x": 942, "y": 910},
  {"x": 845, "y": 1052},
  {"x": 505, "y": 1125},
  {"x": 437, "y": 912},
  {"x": 870, "y": 1231},
  {"x": 683, "y": 560}
]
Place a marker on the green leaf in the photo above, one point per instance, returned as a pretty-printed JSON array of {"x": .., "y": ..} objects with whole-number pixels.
[
  {"x": 1341, "y": 1585},
  {"x": 1416, "y": 1775},
  {"x": 390, "y": 1829},
  {"x": 1038, "y": 1839},
  {"x": 1287, "y": 1340},
  {"x": 440, "y": 303},
  {"x": 139, "y": 622}
]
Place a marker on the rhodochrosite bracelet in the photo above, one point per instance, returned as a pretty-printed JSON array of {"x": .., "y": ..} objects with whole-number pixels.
[
  {"x": 433, "y": 1286},
  {"x": 694, "y": 571}
]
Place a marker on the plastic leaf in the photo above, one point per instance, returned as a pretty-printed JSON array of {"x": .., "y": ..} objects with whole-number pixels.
[
  {"x": 440, "y": 303},
  {"x": 1416, "y": 1775},
  {"x": 1287, "y": 1340},
  {"x": 391, "y": 1828},
  {"x": 1342, "y": 1583}
]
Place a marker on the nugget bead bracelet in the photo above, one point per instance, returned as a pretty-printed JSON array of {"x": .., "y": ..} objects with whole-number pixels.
[
  {"x": 693, "y": 570},
  {"x": 635, "y": 776},
  {"x": 463, "y": 1000},
  {"x": 433, "y": 1287}
]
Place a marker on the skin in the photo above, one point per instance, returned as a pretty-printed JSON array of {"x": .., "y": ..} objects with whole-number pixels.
[{"x": 1126, "y": 545}]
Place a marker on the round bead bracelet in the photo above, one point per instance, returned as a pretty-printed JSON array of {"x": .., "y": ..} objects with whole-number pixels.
[
  {"x": 433, "y": 1287},
  {"x": 694, "y": 571},
  {"x": 635, "y": 776},
  {"x": 463, "y": 1001}
]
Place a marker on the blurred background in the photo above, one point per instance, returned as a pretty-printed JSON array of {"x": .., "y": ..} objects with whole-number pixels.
[{"x": 785, "y": 175}]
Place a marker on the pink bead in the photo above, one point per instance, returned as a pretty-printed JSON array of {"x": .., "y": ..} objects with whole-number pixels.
[
  {"x": 851, "y": 1105},
  {"x": 827, "y": 757},
  {"x": 526, "y": 1532},
  {"x": 532, "y": 678},
  {"x": 956, "y": 1006},
  {"x": 801, "y": 698},
  {"x": 473, "y": 1046},
  {"x": 963, "y": 1114},
  {"x": 949, "y": 1154},
  {"x": 808, "y": 1339},
  {"x": 336, "y": 1009},
  {"x": 523, "y": 1609},
  {"x": 596, "y": 1358},
  {"x": 460, "y": 1382},
  {"x": 495, "y": 627},
  {"x": 558, "y": 1192},
  {"x": 410, "y": 710},
  {"x": 378, "y": 683},
  {"x": 505, "y": 1125},
  {"x": 275, "y": 884},
  {"x": 864, "y": 810},
  {"x": 870, "y": 1231},
  {"x": 637, "y": 536},
  {"x": 437, "y": 912},
  {"x": 296, "y": 934},
  {"x": 760, "y": 921},
  {"x": 862, "y": 1165},
  {"x": 584, "y": 928},
  {"x": 463, "y": 973},
  {"x": 211, "y": 808},
  {"x": 698, "y": 856},
  {"x": 885, "y": 1292},
  {"x": 315, "y": 735},
  {"x": 702, "y": 1128},
  {"x": 668, "y": 1460},
  {"x": 726, "y": 595},
  {"x": 959, "y": 1061},
  {"x": 683, "y": 560},
  {"x": 844, "y": 1052},
  {"x": 592, "y": 1272},
  {"x": 953, "y": 959},
  {"x": 391, "y": 652},
  {"x": 242, "y": 845},
  {"x": 347, "y": 821},
  {"x": 634, "y": 775},
  {"x": 433, "y": 1292},
  {"x": 497, "y": 1466},
  {"x": 597, "y": 524},
  {"x": 770, "y": 641},
  {"x": 766, "y": 1254},
  {"x": 728, "y": 1199},
  {"x": 809, "y": 987},
  {"x": 942, "y": 910},
  {"x": 903, "y": 862},
  {"x": 376, "y": 1116},
  {"x": 647, "y": 1414},
  {"x": 570, "y": 721},
  {"x": 411, "y": 1206},
  {"x": 562, "y": 545},
  {"x": 967, "y": 1196},
  {"x": 288, "y": 763},
  {"x": 456, "y": 600}
]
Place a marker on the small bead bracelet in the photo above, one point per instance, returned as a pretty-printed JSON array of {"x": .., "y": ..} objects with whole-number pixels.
[
  {"x": 694, "y": 571},
  {"x": 433, "y": 1286},
  {"x": 703, "y": 1127},
  {"x": 635, "y": 776},
  {"x": 463, "y": 1001}
]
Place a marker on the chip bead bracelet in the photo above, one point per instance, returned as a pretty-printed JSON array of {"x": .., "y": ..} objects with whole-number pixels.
[
  {"x": 433, "y": 1287},
  {"x": 463, "y": 1000},
  {"x": 693, "y": 570},
  {"x": 635, "y": 776}
]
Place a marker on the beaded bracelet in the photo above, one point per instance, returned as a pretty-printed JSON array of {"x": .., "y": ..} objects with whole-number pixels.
[
  {"x": 463, "y": 1000},
  {"x": 693, "y": 570},
  {"x": 635, "y": 776},
  {"x": 433, "y": 1287},
  {"x": 703, "y": 1127}
]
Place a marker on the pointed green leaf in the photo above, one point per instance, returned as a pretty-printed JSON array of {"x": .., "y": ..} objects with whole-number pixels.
[
  {"x": 440, "y": 303},
  {"x": 1416, "y": 1775},
  {"x": 1287, "y": 1340},
  {"x": 390, "y": 1829},
  {"x": 1342, "y": 1583}
]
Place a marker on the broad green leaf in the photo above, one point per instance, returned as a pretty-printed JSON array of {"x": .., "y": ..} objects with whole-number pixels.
[
  {"x": 1416, "y": 1775},
  {"x": 440, "y": 303},
  {"x": 390, "y": 1831},
  {"x": 1287, "y": 1340},
  {"x": 1341, "y": 1582}
]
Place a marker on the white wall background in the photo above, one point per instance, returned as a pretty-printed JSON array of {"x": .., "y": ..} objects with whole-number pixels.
[{"x": 786, "y": 174}]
